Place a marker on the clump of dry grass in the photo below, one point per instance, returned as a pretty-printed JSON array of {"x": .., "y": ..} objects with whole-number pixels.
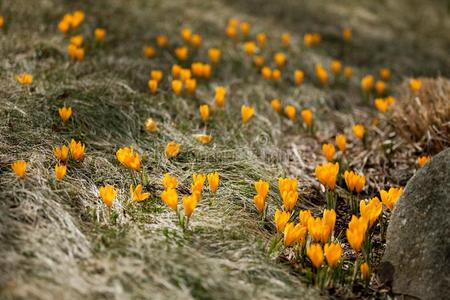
[{"x": 424, "y": 117}]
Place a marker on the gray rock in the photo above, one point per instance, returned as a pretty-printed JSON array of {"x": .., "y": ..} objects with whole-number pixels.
[{"x": 417, "y": 257}]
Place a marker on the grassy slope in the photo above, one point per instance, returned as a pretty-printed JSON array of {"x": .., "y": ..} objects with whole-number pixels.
[{"x": 55, "y": 238}]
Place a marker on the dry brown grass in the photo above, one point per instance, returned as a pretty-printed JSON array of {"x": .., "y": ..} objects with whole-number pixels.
[{"x": 424, "y": 117}]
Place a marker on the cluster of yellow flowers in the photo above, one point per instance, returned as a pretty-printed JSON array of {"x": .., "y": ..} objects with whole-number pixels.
[
  {"x": 312, "y": 38},
  {"x": 336, "y": 69},
  {"x": 77, "y": 150},
  {"x": 61, "y": 153},
  {"x": 170, "y": 196},
  {"x": 69, "y": 24},
  {"x": 71, "y": 21},
  {"x": 314, "y": 237},
  {"x": 359, "y": 232},
  {"x": 307, "y": 236},
  {"x": 383, "y": 104},
  {"x": 291, "y": 112},
  {"x": 235, "y": 26},
  {"x": 108, "y": 194},
  {"x": 312, "y": 240}
]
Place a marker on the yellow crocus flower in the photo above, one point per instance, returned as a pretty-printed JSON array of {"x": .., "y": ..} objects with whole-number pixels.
[
  {"x": 336, "y": 66},
  {"x": 19, "y": 167},
  {"x": 203, "y": 138},
  {"x": 380, "y": 87},
  {"x": 289, "y": 199},
  {"x": 65, "y": 113},
  {"x": 371, "y": 210},
  {"x": 191, "y": 85},
  {"x": 177, "y": 86},
  {"x": 60, "y": 171},
  {"x": 367, "y": 83},
  {"x": 137, "y": 195},
  {"x": 290, "y": 112},
  {"x": 341, "y": 142},
  {"x": 189, "y": 204},
  {"x": 214, "y": 55},
  {"x": 219, "y": 96},
  {"x": 327, "y": 174},
  {"x": 169, "y": 182},
  {"x": 181, "y": 53},
  {"x": 304, "y": 217},
  {"x": 307, "y": 116},
  {"x": 77, "y": 150},
  {"x": 281, "y": 219},
  {"x": 333, "y": 253},
  {"x": 153, "y": 86},
  {"x": 329, "y": 218},
  {"x": 258, "y": 60},
  {"x": 245, "y": 28},
  {"x": 359, "y": 131},
  {"x": 385, "y": 74},
  {"x": 246, "y": 113},
  {"x": 298, "y": 77},
  {"x": 381, "y": 104},
  {"x": 356, "y": 232},
  {"x": 286, "y": 39},
  {"x": 266, "y": 72},
  {"x": 149, "y": 51},
  {"x": 172, "y": 149},
  {"x": 170, "y": 198},
  {"x": 293, "y": 234},
  {"x": 328, "y": 151},
  {"x": 108, "y": 193},
  {"x": 100, "y": 34},
  {"x": 61, "y": 152},
  {"x": 348, "y": 72},
  {"x": 389, "y": 198},
  {"x": 249, "y": 48},
  {"x": 260, "y": 202},
  {"x": 347, "y": 35},
  {"x": 186, "y": 33},
  {"x": 276, "y": 105},
  {"x": 415, "y": 85},
  {"x": 262, "y": 188},
  {"x": 24, "y": 78},
  {"x": 77, "y": 40},
  {"x": 150, "y": 125},
  {"x": 213, "y": 181},
  {"x": 127, "y": 157},
  {"x": 422, "y": 160},
  {"x": 196, "y": 40},
  {"x": 365, "y": 272},
  {"x": 354, "y": 181},
  {"x": 162, "y": 40},
  {"x": 321, "y": 74},
  {"x": 261, "y": 38},
  {"x": 315, "y": 254},
  {"x": 280, "y": 59}
]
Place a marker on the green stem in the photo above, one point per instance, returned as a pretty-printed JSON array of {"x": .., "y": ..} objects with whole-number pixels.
[
  {"x": 355, "y": 269},
  {"x": 186, "y": 224}
]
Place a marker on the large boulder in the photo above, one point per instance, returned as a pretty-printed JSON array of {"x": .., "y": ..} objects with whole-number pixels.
[{"x": 417, "y": 257}]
